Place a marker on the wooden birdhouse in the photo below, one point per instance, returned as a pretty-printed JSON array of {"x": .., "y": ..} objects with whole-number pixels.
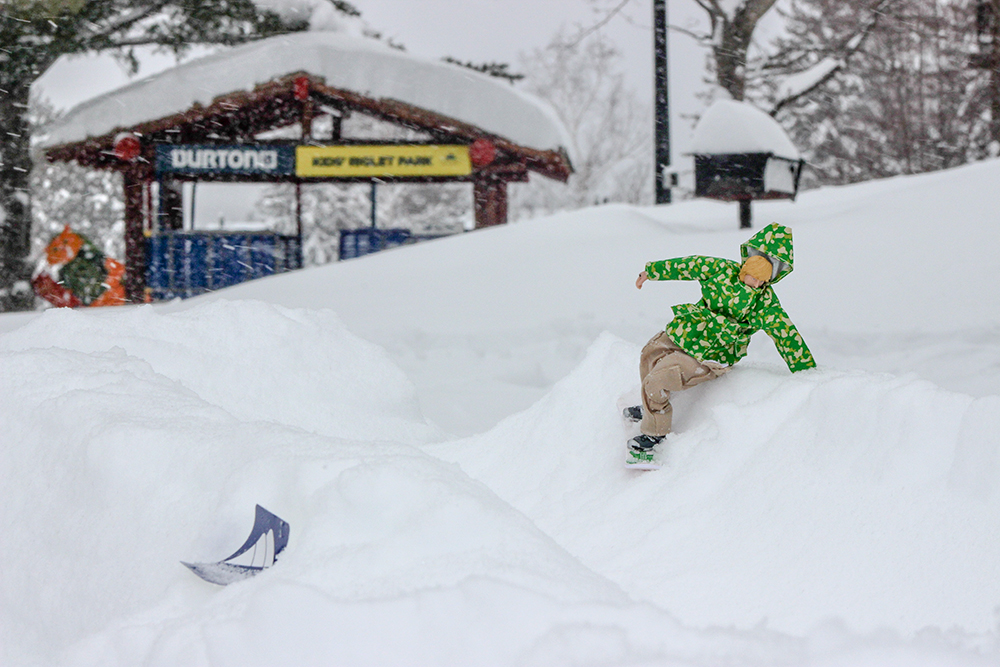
[{"x": 742, "y": 154}]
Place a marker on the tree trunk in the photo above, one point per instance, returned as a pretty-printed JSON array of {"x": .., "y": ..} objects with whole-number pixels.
[
  {"x": 995, "y": 75},
  {"x": 733, "y": 41},
  {"x": 15, "y": 203},
  {"x": 731, "y": 58}
]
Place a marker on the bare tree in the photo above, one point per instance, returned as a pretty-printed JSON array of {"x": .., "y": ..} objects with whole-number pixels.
[
  {"x": 610, "y": 130},
  {"x": 905, "y": 99},
  {"x": 732, "y": 25},
  {"x": 822, "y": 39}
]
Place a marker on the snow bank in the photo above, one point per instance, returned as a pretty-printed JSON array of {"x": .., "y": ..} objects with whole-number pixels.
[
  {"x": 786, "y": 500},
  {"x": 834, "y": 517},
  {"x": 739, "y": 127},
  {"x": 258, "y": 362},
  {"x": 364, "y": 66},
  {"x": 119, "y": 471},
  {"x": 126, "y": 452}
]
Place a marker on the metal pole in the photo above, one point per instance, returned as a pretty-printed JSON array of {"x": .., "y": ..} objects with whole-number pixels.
[
  {"x": 194, "y": 190},
  {"x": 995, "y": 72},
  {"x": 374, "y": 186},
  {"x": 298, "y": 210},
  {"x": 661, "y": 102}
]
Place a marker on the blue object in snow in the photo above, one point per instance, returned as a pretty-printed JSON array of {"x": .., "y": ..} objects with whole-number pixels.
[{"x": 268, "y": 538}]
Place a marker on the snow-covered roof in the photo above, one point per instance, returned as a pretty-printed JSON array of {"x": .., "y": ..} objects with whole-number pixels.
[
  {"x": 729, "y": 127},
  {"x": 360, "y": 65}
]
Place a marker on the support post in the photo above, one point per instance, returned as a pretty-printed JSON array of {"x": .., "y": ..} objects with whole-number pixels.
[
  {"x": 995, "y": 72},
  {"x": 490, "y": 199},
  {"x": 298, "y": 209},
  {"x": 135, "y": 239},
  {"x": 988, "y": 57},
  {"x": 170, "y": 211},
  {"x": 745, "y": 214}
]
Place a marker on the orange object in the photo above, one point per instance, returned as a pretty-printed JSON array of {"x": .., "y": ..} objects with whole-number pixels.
[
  {"x": 114, "y": 268},
  {"x": 63, "y": 247},
  {"x": 65, "y": 250},
  {"x": 114, "y": 295}
]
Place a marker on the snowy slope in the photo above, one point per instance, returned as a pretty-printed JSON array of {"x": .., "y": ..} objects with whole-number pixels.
[
  {"x": 842, "y": 516},
  {"x": 892, "y": 276}
]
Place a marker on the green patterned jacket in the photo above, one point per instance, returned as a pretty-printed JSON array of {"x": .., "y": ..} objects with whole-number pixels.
[{"x": 718, "y": 328}]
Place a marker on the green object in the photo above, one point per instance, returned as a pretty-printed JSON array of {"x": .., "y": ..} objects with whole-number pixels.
[
  {"x": 642, "y": 460},
  {"x": 718, "y": 328},
  {"x": 85, "y": 274}
]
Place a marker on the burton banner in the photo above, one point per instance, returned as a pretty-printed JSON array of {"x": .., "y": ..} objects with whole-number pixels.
[{"x": 245, "y": 159}]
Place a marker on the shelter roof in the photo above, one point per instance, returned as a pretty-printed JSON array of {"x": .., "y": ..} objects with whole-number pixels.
[{"x": 247, "y": 87}]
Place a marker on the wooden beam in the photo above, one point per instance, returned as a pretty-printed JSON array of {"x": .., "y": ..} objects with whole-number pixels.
[
  {"x": 240, "y": 115},
  {"x": 490, "y": 201},
  {"x": 135, "y": 240}
]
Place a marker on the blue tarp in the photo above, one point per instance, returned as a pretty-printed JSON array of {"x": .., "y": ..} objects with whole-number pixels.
[
  {"x": 365, "y": 241},
  {"x": 185, "y": 264}
]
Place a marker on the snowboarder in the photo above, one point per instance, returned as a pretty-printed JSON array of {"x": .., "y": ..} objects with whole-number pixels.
[{"x": 705, "y": 339}]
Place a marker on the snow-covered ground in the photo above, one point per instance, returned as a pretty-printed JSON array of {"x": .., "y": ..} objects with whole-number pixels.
[{"x": 438, "y": 425}]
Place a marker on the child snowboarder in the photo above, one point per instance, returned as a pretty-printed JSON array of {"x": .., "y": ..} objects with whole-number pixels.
[{"x": 705, "y": 339}]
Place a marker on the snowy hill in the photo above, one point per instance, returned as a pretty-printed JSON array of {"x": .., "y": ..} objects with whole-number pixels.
[{"x": 447, "y": 452}]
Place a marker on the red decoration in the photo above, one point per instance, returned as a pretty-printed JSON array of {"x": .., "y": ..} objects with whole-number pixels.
[
  {"x": 127, "y": 146},
  {"x": 482, "y": 152},
  {"x": 301, "y": 88},
  {"x": 53, "y": 292}
]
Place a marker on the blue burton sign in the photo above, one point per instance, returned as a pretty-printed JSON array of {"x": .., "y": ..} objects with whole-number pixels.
[{"x": 258, "y": 159}]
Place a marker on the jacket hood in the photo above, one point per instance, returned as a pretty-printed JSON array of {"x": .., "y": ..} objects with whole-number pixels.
[{"x": 775, "y": 243}]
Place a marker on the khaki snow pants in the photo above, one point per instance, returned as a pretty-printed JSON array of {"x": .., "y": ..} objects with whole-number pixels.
[{"x": 663, "y": 368}]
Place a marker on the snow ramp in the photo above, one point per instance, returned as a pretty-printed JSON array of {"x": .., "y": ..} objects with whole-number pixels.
[
  {"x": 134, "y": 440},
  {"x": 786, "y": 500}
]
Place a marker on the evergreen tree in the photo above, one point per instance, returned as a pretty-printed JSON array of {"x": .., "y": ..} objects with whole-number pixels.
[{"x": 35, "y": 33}]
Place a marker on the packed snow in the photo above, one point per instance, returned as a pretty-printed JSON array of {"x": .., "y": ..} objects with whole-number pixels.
[
  {"x": 345, "y": 61},
  {"x": 438, "y": 424},
  {"x": 729, "y": 127}
]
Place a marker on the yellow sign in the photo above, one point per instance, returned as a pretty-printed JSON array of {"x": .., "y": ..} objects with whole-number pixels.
[{"x": 382, "y": 161}]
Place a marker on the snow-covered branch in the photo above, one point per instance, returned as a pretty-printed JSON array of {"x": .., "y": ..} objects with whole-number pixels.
[
  {"x": 123, "y": 21},
  {"x": 801, "y": 84}
]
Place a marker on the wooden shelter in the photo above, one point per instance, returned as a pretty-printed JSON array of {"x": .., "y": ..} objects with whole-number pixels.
[{"x": 218, "y": 141}]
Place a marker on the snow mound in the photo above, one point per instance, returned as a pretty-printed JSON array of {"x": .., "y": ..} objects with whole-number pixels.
[
  {"x": 256, "y": 361},
  {"x": 127, "y": 460},
  {"x": 729, "y": 127},
  {"x": 128, "y": 454},
  {"x": 786, "y": 499}
]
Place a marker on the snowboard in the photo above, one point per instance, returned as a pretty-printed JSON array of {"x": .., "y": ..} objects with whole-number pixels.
[{"x": 647, "y": 460}]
